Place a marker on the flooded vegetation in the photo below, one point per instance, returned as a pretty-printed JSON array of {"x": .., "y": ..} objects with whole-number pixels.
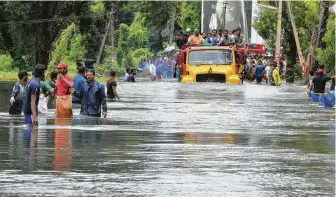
[{"x": 174, "y": 139}]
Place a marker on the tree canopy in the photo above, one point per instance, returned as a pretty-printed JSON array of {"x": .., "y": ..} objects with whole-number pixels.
[
  {"x": 306, "y": 16},
  {"x": 51, "y": 31}
]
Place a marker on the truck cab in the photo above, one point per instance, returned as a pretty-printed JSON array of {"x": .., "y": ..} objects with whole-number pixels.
[{"x": 210, "y": 64}]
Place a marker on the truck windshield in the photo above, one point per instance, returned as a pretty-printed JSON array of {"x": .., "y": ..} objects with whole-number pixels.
[{"x": 210, "y": 57}]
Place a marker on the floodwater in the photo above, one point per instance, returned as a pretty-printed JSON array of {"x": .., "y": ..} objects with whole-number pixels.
[{"x": 173, "y": 139}]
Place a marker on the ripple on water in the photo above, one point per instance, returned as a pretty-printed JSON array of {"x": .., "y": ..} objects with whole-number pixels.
[{"x": 172, "y": 139}]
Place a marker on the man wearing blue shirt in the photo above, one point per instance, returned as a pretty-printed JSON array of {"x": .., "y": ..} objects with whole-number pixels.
[
  {"x": 32, "y": 96},
  {"x": 78, "y": 81},
  {"x": 259, "y": 71},
  {"x": 93, "y": 97},
  {"x": 214, "y": 39}
]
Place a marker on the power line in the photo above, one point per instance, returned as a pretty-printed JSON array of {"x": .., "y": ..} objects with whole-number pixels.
[
  {"x": 42, "y": 20},
  {"x": 47, "y": 20}
]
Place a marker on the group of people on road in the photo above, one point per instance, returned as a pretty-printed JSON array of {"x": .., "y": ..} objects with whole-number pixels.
[
  {"x": 33, "y": 94},
  {"x": 264, "y": 69},
  {"x": 160, "y": 67},
  {"x": 214, "y": 38}
]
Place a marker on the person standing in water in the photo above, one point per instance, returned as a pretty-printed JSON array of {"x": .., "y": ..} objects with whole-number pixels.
[
  {"x": 53, "y": 78},
  {"x": 78, "y": 81},
  {"x": 259, "y": 71},
  {"x": 92, "y": 96},
  {"x": 319, "y": 81},
  {"x": 18, "y": 94},
  {"x": 275, "y": 75},
  {"x": 45, "y": 91},
  {"x": 63, "y": 88},
  {"x": 131, "y": 76},
  {"x": 112, "y": 87},
  {"x": 267, "y": 73},
  {"x": 32, "y": 96}
]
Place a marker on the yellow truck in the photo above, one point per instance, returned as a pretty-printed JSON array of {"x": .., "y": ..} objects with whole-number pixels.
[{"x": 210, "y": 64}]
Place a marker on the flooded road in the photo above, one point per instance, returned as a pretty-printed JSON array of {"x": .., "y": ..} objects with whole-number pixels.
[{"x": 173, "y": 139}]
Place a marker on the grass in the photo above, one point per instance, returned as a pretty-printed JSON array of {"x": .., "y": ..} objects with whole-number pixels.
[
  {"x": 8, "y": 76},
  {"x": 7, "y": 73}
]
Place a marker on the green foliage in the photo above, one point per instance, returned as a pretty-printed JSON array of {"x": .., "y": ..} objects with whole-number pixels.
[
  {"x": 60, "y": 50},
  {"x": 327, "y": 56},
  {"x": 189, "y": 15},
  {"x": 77, "y": 48},
  {"x": 97, "y": 9},
  {"x": 306, "y": 15},
  {"x": 7, "y": 73},
  {"x": 132, "y": 44},
  {"x": 6, "y": 63},
  {"x": 139, "y": 31},
  {"x": 140, "y": 54},
  {"x": 265, "y": 24},
  {"x": 69, "y": 47}
]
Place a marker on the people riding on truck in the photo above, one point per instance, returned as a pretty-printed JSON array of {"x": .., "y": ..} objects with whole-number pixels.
[
  {"x": 196, "y": 39},
  {"x": 214, "y": 39}
]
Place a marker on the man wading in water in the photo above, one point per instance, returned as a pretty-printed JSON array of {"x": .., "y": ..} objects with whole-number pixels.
[
  {"x": 78, "y": 81},
  {"x": 112, "y": 87},
  {"x": 18, "y": 94},
  {"x": 92, "y": 96},
  {"x": 32, "y": 96},
  {"x": 319, "y": 81},
  {"x": 63, "y": 88}
]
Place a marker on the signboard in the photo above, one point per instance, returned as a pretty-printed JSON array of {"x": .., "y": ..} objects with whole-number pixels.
[{"x": 236, "y": 16}]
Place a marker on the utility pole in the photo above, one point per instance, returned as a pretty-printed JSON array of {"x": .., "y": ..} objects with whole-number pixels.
[
  {"x": 224, "y": 14},
  {"x": 112, "y": 33},
  {"x": 297, "y": 41},
  {"x": 172, "y": 25},
  {"x": 103, "y": 44},
  {"x": 278, "y": 35}
]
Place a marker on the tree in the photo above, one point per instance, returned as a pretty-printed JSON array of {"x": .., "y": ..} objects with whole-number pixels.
[
  {"x": 305, "y": 14},
  {"x": 69, "y": 47},
  {"x": 32, "y": 36},
  {"x": 326, "y": 56},
  {"x": 189, "y": 15}
]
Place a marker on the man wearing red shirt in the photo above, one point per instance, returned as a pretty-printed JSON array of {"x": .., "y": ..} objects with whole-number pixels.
[{"x": 64, "y": 88}]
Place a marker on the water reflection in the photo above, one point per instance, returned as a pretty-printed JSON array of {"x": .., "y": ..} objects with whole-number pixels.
[
  {"x": 63, "y": 145},
  {"x": 168, "y": 139},
  {"x": 209, "y": 138},
  {"x": 30, "y": 144}
]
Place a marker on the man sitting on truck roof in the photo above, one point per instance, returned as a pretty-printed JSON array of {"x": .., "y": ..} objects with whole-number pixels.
[
  {"x": 238, "y": 39},
  {"x": 225, "y": 38},
  {"x": 195, "y": 39},
  {"x": 214, "y": 39},
  {"x": 181, "y": 40}
]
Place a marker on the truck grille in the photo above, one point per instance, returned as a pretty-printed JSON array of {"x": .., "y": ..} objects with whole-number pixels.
[{"x": 211, "y": 78}]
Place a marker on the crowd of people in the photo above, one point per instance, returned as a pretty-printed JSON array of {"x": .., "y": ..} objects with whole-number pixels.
[
  {"x": 159, "y": 67},
  {"x": 264, "y": 69},
  {"x": 31, "y": 96},
  {"x": 215, "y": 38}
]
